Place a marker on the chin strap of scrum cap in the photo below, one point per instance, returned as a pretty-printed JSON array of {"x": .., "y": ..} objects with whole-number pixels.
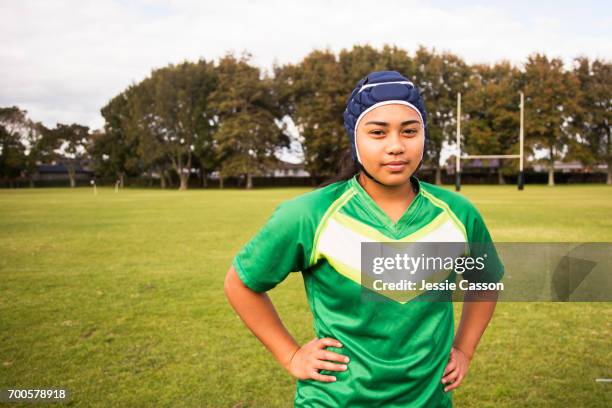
[{"x": 360, "y": 166}]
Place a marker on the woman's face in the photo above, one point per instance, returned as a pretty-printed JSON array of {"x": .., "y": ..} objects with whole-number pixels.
[{"x": 390, "y": 143}]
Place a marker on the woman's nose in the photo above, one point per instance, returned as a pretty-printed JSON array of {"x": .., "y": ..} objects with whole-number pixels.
[{"x": 395, "y": 145}]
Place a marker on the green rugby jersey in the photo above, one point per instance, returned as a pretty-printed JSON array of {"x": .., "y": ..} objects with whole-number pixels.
[{"x": 398, "y": 350}]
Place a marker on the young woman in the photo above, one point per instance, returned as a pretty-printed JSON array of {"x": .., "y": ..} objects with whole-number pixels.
[{"x": 366, "y": 353}]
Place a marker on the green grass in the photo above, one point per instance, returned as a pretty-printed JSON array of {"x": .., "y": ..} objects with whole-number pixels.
[{"x": 119, "y": 298}]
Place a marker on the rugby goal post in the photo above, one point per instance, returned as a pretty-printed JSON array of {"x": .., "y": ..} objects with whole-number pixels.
[{"x": 521, "y": 176}]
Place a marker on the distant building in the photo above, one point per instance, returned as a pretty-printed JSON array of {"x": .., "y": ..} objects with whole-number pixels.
[
  {"x": 287, "y": 169},
  {"x": 59, "y": 172},
  {"x": 282, "y": 169},
  {"x": 489, "y": 165},
  {"x": 474, "y": 165},
  {"x": 570, "y": 167}
]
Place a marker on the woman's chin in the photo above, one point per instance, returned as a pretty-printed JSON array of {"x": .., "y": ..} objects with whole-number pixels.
[{"x": 394, "y": 178}]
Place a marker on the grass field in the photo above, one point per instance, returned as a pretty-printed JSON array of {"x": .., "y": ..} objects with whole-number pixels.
[{"x": 119, "y": 298}]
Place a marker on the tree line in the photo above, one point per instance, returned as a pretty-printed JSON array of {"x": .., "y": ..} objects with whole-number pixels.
[{"x": 195, "y": 118}]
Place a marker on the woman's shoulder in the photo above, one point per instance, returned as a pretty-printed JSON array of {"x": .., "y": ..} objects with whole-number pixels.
[
  {"x": 315, "y": 203},
  {"x": 442, "y": 196}
]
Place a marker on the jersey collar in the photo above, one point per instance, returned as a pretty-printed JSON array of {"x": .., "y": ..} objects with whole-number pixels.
[{"x": 382, "y": 216}]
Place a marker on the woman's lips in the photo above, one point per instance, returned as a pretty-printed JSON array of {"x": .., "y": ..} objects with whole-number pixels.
[{"x": 396, "y": 166}]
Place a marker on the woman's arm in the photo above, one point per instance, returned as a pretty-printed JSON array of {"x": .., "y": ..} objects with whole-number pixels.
[
  {"x": 475, "y": 316},
  {"x": 258, "y": 313}
]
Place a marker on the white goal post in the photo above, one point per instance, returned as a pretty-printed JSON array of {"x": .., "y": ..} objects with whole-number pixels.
[{"x": 521, "y": 176}]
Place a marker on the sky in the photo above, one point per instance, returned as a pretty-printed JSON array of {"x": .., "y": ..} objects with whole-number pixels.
[{"x": 63, "y": 60}]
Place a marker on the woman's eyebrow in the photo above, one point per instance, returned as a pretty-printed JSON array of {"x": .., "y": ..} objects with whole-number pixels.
[{"x": 404, "y": 123}]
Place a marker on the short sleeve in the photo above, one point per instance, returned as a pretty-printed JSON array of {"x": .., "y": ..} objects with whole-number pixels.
[
  {"x": 491, "y": 268},
  {"x": 281, "y": 246}
]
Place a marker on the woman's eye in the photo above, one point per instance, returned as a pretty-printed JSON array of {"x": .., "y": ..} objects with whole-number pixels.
[
  {"x": 377, "y": 132},
  {"x": 411, "y": 132}
]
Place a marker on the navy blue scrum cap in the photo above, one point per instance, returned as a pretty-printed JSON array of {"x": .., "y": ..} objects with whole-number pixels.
[{"x": 376, "y": 89}]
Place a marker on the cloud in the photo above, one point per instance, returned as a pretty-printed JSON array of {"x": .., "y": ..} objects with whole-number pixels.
[{"x": 63, "y": 60}]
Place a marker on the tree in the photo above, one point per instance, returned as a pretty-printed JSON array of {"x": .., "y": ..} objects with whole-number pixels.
[
  {"x": 204, "y": 151},
  {"x": 181, "y": 99},
  {"x": 20, "y": 134},
  {"x": 159, "y": 122},
  {"x": 141, "y": 126},
  {"x": 491, "y": 107},
  {"x": 13, "y": 125},
  {"x": 593, "y": 142},
  {"x": 550, "y": 104},
  {"x": 115, "y": 150},
  {"x": 250, "y": 130},
  {"x": 439, "y": 77},
  {"x": 39, "y": 150},
  {"x": 357, "y": 63},
  {"x": 11, "y": 156},
  {"x": 316, "y": 92},
  {"x": 70, "y": 142}
]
